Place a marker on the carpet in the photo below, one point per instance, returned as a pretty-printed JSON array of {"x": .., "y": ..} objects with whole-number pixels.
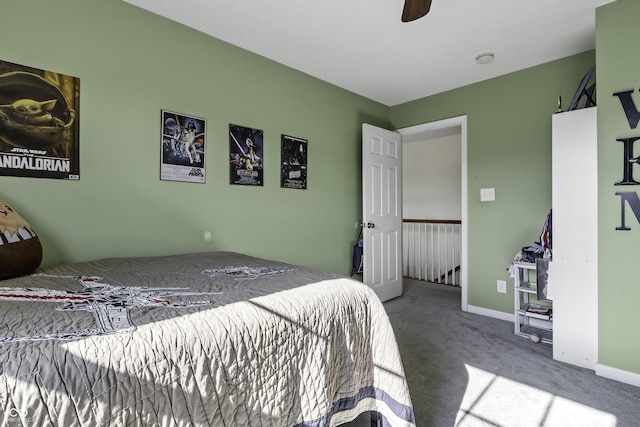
[{"x": 469, "y": 370}]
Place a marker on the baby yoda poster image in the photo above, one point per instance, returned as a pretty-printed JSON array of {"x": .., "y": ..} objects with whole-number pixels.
[{"x": 38, "y": 123}]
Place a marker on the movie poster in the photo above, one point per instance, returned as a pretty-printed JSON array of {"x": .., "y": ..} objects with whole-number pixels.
[
  {"x": 39, "y": 123},
  {"x": 293, "y": 164},
  {"x": 246, "y": 156},
  {"x": 183, "y": 148}
]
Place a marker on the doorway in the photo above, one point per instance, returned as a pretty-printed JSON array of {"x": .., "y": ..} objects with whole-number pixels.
[{"x": 439, "y": 129}]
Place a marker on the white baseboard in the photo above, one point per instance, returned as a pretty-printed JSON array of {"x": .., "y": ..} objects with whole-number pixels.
[
  {"x": 609, "y": 372},
  {"x": 490, "y": 313},
  {"x": 618, "y": 375}
]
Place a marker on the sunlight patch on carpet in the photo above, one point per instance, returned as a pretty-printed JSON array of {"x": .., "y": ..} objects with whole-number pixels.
[{"x": 492, "y": 400}]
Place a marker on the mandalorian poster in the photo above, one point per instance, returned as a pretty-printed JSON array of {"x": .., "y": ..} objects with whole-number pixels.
[{"x": 39, "y": 126}]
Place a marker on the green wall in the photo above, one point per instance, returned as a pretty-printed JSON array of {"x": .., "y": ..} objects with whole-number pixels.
[
  {"x": 509, "y": 148},
  {"x": 132, "y": 64},
  {"x": 617, "y": 62}
]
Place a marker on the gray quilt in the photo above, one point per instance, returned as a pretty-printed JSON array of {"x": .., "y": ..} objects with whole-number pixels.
[{"x": 208, "y": 339}]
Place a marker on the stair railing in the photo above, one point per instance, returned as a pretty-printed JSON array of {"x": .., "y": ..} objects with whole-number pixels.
[{"x": 431, "y": 250}]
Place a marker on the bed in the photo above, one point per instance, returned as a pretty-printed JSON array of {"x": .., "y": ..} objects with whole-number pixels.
[{"x": 203, "y": 339}]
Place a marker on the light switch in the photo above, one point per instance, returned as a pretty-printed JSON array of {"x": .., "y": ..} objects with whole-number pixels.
[{"x": 487, "y": 194}]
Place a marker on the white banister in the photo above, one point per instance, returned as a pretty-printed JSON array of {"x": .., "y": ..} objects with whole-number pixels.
[{"x": 431, "y": 250}]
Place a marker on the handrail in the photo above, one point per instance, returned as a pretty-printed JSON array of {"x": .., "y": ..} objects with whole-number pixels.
[{"x": 433, "y": 221}]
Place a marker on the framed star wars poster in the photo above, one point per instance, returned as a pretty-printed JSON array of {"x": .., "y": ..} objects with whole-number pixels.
[
  {"x": 183, "y": 147},
  {"x": 293, "y": 163},
  {"x": 39, "y": 123},
  {"x": 246, "y": 156}
]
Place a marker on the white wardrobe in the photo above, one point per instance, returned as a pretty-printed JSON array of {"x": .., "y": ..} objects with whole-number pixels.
[{"x": 575, "y": 237}]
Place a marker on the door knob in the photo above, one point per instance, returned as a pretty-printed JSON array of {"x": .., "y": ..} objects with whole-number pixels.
[{"x": 371, "y": 225}]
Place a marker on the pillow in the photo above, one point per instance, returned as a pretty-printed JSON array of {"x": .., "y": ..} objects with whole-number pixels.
[{"x": 20, "y": 249}]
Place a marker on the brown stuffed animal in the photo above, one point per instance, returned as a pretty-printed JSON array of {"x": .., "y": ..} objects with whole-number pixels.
[{"x": 20, "y": 249}]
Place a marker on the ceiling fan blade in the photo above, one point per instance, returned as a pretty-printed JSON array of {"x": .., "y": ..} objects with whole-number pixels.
[{"x": 414, "y": 9}]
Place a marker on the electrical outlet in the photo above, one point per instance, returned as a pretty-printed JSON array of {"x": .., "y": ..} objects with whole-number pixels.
[{"x": 502, "y": 286}]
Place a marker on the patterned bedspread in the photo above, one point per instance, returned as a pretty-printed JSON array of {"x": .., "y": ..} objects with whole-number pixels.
[{"x": 219, "y": 339}]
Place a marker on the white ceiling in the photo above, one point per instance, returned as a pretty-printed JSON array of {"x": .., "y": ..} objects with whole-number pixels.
[{"x": 362, "y": 46}]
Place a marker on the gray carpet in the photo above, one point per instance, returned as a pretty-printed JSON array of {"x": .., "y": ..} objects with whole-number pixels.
[{"x": 470, "y": 370}]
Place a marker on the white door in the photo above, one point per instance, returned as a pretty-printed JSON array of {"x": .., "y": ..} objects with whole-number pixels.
[{"x": 382, "y": 210}]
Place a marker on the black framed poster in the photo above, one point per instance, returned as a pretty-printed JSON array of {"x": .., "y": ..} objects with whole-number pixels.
[
  {"x": 246, "y": 165},
  {"x": 39, "y": 123},
  {"x": 183, "y": 147},
  {"x": 293, "y": 162}
]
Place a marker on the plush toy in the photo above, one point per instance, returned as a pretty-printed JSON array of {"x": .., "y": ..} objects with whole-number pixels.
[{"x": 20, "y": 249}]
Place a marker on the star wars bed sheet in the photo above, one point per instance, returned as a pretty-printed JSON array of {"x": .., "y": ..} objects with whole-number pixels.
[{"x": 218, "y": 339}]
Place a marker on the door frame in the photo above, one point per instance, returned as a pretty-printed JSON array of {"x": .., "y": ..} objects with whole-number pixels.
[{"x": 439, "y": 128}]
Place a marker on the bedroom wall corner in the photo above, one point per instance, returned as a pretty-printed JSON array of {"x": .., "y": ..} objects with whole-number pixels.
[{"x": 509, "y": 149}]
